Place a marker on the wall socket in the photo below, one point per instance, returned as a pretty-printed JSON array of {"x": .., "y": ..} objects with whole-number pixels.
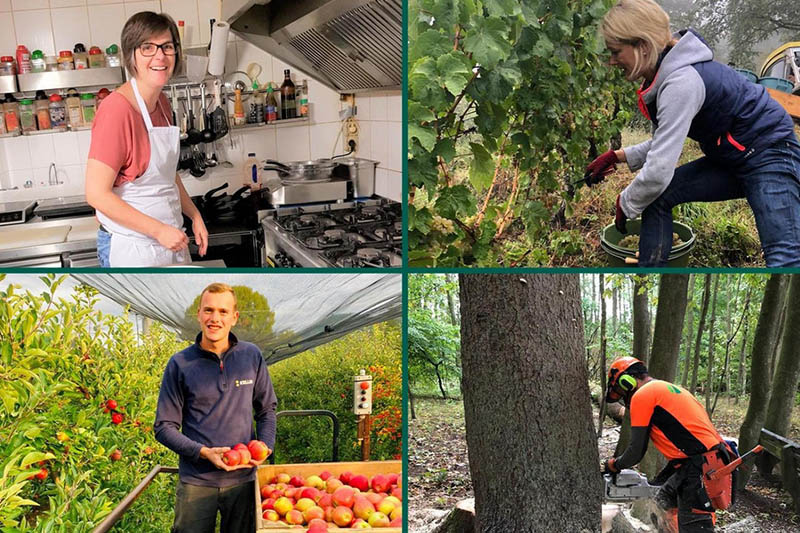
[{"x": 351, "y": 134}]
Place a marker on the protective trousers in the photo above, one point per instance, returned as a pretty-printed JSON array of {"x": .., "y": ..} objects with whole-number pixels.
[{"x": 684, "y": 490}]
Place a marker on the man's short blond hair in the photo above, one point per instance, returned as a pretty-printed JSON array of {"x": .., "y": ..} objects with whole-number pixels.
[
  {"x": 641, "y": 24},
  {"x": 218, "y": 288}
]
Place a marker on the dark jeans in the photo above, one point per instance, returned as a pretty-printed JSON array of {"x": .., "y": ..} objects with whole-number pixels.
[
  {"x": 770, "y": 180},
  {"x": 196, "y": 508},
  {"x": 684, "y": 489}
]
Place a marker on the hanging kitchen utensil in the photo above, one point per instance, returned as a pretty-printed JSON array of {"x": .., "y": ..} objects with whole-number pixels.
[
  {"x": 219, "y": 118},
  {"x": 194, "y": 135},
  {"x": 208, "y": 134}
]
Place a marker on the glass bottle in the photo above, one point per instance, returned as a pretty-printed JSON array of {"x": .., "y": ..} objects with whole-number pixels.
[{"x": 288, "y": 104}]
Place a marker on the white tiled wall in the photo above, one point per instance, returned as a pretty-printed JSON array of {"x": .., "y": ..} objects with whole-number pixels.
[{"x": 53, "y": 25}]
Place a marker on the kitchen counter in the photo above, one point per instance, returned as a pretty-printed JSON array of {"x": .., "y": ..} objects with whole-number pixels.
[{"x": 56, "y": 243}]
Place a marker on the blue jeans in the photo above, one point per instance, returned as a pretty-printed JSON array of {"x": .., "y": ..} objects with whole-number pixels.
[
  {"x": 103, "y": 247},
  {"x": 770, "y": 180},
  {"x": 196, "y": 508}
]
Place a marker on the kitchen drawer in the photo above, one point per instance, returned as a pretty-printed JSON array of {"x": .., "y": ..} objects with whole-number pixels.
[
  {"x": 49, "y": 261},
  {"x": 81, "y": 259}
]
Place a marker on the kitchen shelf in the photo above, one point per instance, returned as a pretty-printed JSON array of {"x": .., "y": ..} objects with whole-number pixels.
[
  {"x": 8, "y": 84},
  {"x": 61, "y": 79},
  {"x": 284, "y": 122}
]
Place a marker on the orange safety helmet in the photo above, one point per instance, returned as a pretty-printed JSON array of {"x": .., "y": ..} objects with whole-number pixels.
[{"x": 616, "y": 389}]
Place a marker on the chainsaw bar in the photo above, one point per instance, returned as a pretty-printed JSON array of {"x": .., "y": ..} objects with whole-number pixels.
[{"x": 628, "y": 485}]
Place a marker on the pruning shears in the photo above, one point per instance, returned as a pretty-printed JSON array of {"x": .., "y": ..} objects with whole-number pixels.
[{"x": 583, "y": 179}]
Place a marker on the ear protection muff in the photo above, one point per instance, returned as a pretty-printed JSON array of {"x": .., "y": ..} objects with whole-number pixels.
[{"x": 626, "y": 382}]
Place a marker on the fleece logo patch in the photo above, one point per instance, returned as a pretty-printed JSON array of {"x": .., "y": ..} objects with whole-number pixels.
[
  {"x": 243, "y": 382},
  {"x": 673, "y": 389}
]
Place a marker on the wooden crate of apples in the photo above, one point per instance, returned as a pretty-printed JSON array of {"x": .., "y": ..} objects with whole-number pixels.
[{"x": 320, "y": 497}]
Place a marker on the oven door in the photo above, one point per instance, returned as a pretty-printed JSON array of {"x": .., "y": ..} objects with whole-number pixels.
[{"x": 238, "y": 249}]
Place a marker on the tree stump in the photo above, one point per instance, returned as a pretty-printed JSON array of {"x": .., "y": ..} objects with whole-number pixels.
[{"x": 460, "y": 520}]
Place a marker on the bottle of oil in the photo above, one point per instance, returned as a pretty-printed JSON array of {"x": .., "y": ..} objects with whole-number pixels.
[{"x": 288, "y": 103}]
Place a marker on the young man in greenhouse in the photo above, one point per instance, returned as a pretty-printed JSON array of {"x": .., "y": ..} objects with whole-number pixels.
[
  {"x": 680, "y": 429},
  {"x": 210, "y": 394}
]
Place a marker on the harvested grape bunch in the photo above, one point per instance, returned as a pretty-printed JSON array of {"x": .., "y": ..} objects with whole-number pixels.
[{"x": 632, "y": 241}]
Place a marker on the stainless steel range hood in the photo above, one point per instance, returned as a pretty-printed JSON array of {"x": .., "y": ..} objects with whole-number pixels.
[{"x": 348, "y": 45}]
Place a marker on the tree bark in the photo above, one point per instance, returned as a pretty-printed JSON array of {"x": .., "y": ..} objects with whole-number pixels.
[
  {"x": 711, "y": 334},
  {"x": 411, "y": 409},
  {"x": 766, "y": 336},
  {"x": 451, "y": 304},
  {"x": 522, "y": 346},
  {"x": 603, "y": 362},
  {"x": 614, "y": 309},
  {"x": 666, "y": 346},
  {"x": 641, "y": 319},
  {"x": 460, "y": 520},
  {"x": 700, "y": 327},
  {"x": 787, "y": 371},
  {"x": 689, "y": 330},
  {"x": 741, "y": 374}
]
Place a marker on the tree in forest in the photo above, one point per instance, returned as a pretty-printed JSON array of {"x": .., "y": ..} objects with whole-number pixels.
[
  {"x": 522, "y": 352},
  {"x": 787, "y": 371},
  {"x": 711, "y": 344},
  {"x": 690, "y": 305},
  {"x": 700, "y": 328},
  {"x": 641, "y": 319},
  {"x": 766, "y": 337}
]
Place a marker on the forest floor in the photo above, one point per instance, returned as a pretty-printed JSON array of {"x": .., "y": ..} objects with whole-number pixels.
[{"x": 438, "y": 470}]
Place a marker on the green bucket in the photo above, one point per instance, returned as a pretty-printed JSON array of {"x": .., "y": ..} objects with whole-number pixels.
[
  {"x": 748, "y": 74},
  {"x": 678, "y": 255},
  {"x": 777, "y": 83}
]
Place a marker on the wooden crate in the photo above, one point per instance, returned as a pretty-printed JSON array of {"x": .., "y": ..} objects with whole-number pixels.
[{"x": 368, "y": 468}]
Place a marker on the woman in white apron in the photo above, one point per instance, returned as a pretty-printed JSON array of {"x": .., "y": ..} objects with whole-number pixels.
[{"x": 139, "y": 199}]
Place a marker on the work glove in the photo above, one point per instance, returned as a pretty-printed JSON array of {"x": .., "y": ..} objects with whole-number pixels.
[
  {"x": 609, "y": 466},
  {"x": 620, "y": 218},
  {"x": 601, "y": 167}
]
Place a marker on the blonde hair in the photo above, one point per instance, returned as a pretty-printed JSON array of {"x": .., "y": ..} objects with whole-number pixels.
[
  {"x": 641, "y": 24},
  {"x": 218, "y": 288}
]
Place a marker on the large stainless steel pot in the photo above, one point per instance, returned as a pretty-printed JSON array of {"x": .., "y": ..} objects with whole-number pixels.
[
  {"x": 316, "y": 169},
  {"x": 362, "y": 174}
]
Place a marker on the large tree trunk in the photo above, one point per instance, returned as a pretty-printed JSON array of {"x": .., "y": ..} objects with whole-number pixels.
[
  {"x": 666, "y": 346},
  {"x": 711, "y": 335},
  {"x": 787, "y": 371},
  {"x": 602, "y": 359},
  {"x": 763, "y": 344},
  {"x": 700, "y": 327},
  {"x": 641, "y": 319},
  {"x": 522, "y": 353},
  {"x": 687, "y": 360}
]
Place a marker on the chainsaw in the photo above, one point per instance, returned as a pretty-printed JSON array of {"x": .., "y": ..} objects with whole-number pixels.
[{"x": 628, "y": 485}]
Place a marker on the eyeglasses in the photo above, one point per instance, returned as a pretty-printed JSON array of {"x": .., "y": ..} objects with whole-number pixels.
[{"x": 150, "y": 49}]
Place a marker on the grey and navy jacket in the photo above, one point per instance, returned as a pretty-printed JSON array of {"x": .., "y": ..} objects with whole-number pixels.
[
  {"x": 692, "y": 96},
  {"x": 210, "y": 400}
]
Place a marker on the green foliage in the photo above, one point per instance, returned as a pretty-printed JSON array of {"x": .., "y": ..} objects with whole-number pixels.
[
  {"x": 507, "y": 103},
  {"x": 61, "y": 360},
  {"x": 322, "y": 378}
]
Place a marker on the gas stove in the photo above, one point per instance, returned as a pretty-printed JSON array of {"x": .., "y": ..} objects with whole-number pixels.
[{"x": 360, "y": 234}]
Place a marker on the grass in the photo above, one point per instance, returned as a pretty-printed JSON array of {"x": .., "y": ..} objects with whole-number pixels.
[{"x": 726, "y": 234}]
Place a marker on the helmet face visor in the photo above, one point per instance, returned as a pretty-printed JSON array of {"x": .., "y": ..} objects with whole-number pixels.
[{"x": 614, "y": 393}]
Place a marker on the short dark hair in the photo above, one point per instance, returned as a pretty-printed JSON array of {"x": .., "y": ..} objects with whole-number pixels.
[
  {"x": 142, "y": 26},
  {"x": 637, "y": 370}
]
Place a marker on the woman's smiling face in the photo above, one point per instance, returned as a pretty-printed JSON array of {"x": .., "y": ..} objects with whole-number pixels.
[
  {"x": 622, "y": 55},
  {"x": 157, "y": 69}
]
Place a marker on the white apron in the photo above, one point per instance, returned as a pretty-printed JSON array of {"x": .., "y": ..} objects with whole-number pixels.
[{"x": 155, "y": 194}]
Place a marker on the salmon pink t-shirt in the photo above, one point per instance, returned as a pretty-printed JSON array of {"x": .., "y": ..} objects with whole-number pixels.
[{"x": 119, "y": 135}]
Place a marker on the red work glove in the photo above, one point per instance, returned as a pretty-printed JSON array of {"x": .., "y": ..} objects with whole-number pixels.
[
  {"x": 601, "y": 167},
  {"x": 610, "y": 467},
  {"x": 620, "y": 218}
]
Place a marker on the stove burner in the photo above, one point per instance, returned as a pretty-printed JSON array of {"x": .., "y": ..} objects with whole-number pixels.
[{"x": 368, "y": 254}]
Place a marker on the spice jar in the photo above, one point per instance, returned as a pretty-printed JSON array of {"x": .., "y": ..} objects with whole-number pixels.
[
  {"x": 96, "y": 58},
  {"x": 42, "y": 108},
  {"x": 74, "y": 116},
  {"x": 11, "y": 113},
  {"x": 88, "y": 108},
  {"x": 80, "y": 56},
  {"x": 23, "y": 60},
  {"x": 58, "y": 112},
  {"x": 51, "y": 63},
  {"x": 65, "y": 60},
  {"x": 27, "y": 122},
  {"x": 2, "y": 118},
  {"x": 37, "y": 61},
  {"x": 112, "y": 56},
  {"x": 7, "y": 66}
]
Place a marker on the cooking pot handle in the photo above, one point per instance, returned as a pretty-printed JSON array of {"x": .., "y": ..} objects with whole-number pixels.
[
  {"x": 240, "y": 191},
  {"x": 277, "y": 164},
  {"x": 216, "y": 189},
  {"x": 281, "y": 170}
]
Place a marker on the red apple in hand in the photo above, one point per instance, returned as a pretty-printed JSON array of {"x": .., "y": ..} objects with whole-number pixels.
[
  {"x": 231, "y": 458},
  {"x": 258, "y": 450},
  {"x": 244, "y": 453}
]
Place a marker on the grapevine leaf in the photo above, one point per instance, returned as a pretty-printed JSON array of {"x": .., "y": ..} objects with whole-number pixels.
[
  {"x": 482, "y": 167},
  {"x": 423, "y": 80},
  {"x": 446, "y": 149},
  {"x": 487, "y": 41},
  {"x": 419, "y": 113},
  {"x": 543, "y": 47},
  {"x": 420, "y": 220},
  {"x": 431, "y": 43},
  {"x": 422, "y": 172},
  {"x": 425, "y": 136},
  {"x": 456, "y": 69},
  {"x": 455, "y": 201},
  {"x": 502, "y": 8}
]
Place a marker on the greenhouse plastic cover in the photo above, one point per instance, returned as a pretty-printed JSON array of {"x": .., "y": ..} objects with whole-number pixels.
[{"x": 310, "y": 309}]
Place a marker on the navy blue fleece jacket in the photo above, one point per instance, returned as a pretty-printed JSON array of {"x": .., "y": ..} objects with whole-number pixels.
[{"x": 210, "y": 400}]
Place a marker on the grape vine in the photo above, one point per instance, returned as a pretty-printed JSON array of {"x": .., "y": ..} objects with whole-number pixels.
[{"x": 507, "y": 102}]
